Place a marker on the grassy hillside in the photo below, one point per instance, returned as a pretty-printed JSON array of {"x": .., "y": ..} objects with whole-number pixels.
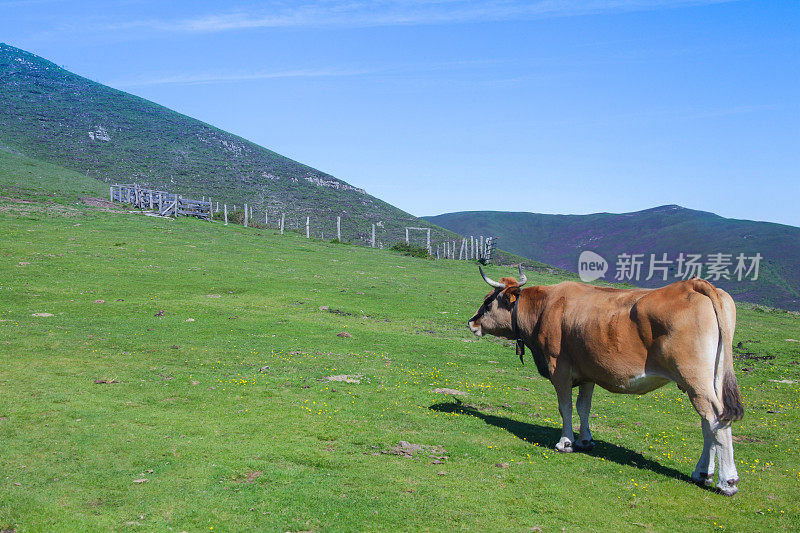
[
  {"x": 51, "y": 114},
  {"x": 559, "y": 239},
  {"x": 183, "y": 375}
]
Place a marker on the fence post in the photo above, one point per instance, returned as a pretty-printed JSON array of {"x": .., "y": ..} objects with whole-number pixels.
[
  {"x": 245, "y": 215},
  {"x": 372, "y": 241},
  {"x": 226, "y": 214},
  {"x": 428, "y": 244},
  {"x": 406, "y": 235},
  {"x": 283, "y": 218},
  {"x": 266, "y": 218},
  {"x": 339, "y": 228},
  {"x": 308, "y": 226}
]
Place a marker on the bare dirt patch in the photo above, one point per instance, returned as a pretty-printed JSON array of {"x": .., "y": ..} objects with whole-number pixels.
[
  {"x": 746, "y": 438},
  {"x": 408, "y": 449},
  {"x": 93, "y": 201},
  {"x": 25, "y": 208},
  {"x": 751, "y": 356},
  {"x": 455, "y": 392},
  {"x": 248, "y": 477},
  {"x": 15, "y": 200},
  {"x": 346, "y": 378}
]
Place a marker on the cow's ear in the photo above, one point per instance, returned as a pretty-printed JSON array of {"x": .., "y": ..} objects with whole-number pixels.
[{"x": 511, "y": 294}]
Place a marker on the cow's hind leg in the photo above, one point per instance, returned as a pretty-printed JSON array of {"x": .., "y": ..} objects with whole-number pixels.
[
  {"x": 584, "y": 405},
  {"x": 707, "y": 405},
  {"x": 704, "y": 471}
]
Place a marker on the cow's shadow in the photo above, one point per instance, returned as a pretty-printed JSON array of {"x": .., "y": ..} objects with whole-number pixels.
[{"x": 549, "y": 436}]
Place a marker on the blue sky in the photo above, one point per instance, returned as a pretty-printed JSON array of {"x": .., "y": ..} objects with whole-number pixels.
[{"x": 546, "y": 106}]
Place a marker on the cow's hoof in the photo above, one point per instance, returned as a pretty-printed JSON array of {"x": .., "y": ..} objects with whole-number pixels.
[
  {"x": 584, "y": 445},
  {"x": 728, "y": 488},
  {"x": 703, "y": 479},
  {"x": 564, "y": 446}
]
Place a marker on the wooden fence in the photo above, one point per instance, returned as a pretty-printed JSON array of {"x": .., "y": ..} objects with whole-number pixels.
[
  {"x": 167, "y": 204},
  {"x": 162, "y": 202},
  {"x": 468, "y": 249}
]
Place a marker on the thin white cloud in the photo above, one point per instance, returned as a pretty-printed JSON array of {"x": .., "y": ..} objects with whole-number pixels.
[
  {"x": 332, "y": 13},
  {"x": 222, "y": 77},
  {"x": 325, "y": 72}
]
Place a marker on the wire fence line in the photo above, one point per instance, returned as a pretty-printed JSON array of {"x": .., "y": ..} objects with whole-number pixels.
[{"x": 354, "y": 230}]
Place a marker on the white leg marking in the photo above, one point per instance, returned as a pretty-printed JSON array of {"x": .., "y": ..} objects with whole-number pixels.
[
  {"x": 728, "y": 477},
  {"x": 704, "y": 471},
  {"x": 565, "y": 408}
]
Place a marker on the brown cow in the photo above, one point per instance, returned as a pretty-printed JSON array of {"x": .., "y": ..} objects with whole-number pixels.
[{"x": 629, "y": 341}]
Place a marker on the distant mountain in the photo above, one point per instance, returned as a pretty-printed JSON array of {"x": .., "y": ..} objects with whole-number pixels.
[
  {"x": 559, "y": 240},
  {"x": 53, "y": 115}
]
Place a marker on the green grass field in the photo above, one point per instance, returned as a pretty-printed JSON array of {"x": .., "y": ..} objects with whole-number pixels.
[{"x": 185, "y": 382}]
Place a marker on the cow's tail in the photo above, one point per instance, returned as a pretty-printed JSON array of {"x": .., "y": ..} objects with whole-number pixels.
[{"x": 725, "y": 385}]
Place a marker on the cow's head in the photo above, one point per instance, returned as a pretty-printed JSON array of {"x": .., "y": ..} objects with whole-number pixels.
[{"x": 494, "y": 315}]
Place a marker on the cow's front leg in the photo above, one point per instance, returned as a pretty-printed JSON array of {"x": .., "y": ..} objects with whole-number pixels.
[
  {"x": 584, "y": 406},
  {"x": 564, "y": 394}
]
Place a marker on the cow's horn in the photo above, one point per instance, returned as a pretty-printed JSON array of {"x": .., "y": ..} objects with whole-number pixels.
[
  {"x": 490, "y": 281},
  {"x": 523, "y": 279}
]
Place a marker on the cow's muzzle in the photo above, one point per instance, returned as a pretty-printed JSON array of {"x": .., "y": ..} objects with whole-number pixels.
[{"x": 475, "y": 328}]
